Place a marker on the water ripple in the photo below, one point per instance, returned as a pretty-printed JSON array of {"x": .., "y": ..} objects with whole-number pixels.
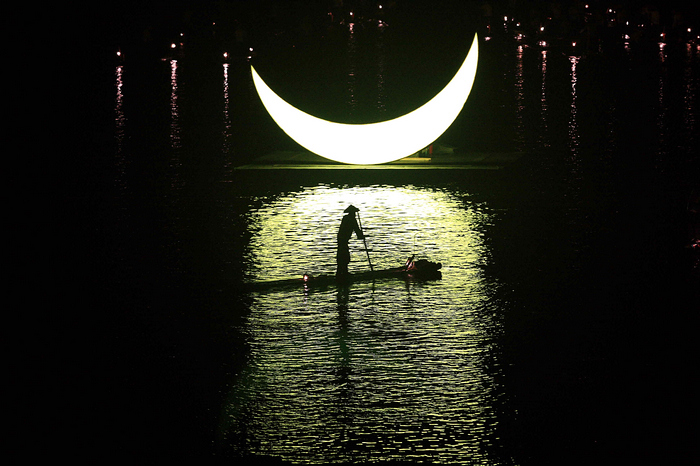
[{"x": 376, "y": 371}]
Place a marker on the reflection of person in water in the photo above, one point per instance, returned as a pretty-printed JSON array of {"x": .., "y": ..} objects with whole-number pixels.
[{"x": 347, "y": 226}]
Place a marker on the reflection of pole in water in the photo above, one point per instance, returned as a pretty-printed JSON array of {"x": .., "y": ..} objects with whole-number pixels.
[
  {"x": 342, "y": 301},
  {"x": 344, "y": 368}
]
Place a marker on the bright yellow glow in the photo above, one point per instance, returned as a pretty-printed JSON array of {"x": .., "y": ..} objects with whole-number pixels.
[
  {"x": 331, "y": 363},
  {"x": 374, "y": 143},
  {"x": 435, "y": 226}
]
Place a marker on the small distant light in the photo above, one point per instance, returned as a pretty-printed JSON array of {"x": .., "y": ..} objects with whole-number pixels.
[
  {"x": 505, "y": 18},
  {"x": 119, "y": 53},
  {"x": 487, "y": 38},
  {"x": 541, "y": 28},
  {"x": 182, "y": 34},
  {"x": 689, "y": 30},
  {"x": 225, "y": 54},
  {"x": 380, "y": 7},
  {"x": 250, "y": 49},
  {"x": 173, "y": 45}
]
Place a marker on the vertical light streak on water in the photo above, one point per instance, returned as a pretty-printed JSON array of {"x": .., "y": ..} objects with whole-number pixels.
[
  {"x": 543, "y": 133},
  {"x": 573, "y": 123},
  {"x": 122, "y": 212},
  {"x": 226, "y": 136},
  {"x": 381, "y": 98},
  {"x": 352, "y": 68},
  {"x": 120, "y": 128},
  {"x": 226, "y": 133},
  {"x": 119, "y": 118},
  {"x": 175, "y": 136},
  {"x": 174, "y": 227},
  {"x": 390, "y": 370},
  {"x": 520, "y": 101},
  {"x": 689, "y": 97},
  {"x": 175, "y": 141},
  {"x": 575, "y": 214},
  {"x": 662, "y": 120},
  {"x": 121, "y": 160}
]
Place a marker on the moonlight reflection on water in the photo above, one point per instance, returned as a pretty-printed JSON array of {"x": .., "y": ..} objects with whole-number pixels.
[{"x": 381, "y": 370}]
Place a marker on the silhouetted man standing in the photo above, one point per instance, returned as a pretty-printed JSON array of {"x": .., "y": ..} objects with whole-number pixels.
[{"x": 347, "y": 226}]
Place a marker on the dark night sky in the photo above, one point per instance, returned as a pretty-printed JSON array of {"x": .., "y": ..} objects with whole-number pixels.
[{"x": 119, "y": 20}]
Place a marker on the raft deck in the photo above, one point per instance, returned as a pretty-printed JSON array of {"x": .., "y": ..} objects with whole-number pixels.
[{"x": 330, "y": 279}]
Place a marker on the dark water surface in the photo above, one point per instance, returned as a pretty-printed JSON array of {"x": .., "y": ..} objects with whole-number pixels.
[{"x": 559, "y": 334}]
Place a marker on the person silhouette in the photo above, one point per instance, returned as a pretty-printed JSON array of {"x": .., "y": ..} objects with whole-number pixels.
[{"x": 347, "y": 226}]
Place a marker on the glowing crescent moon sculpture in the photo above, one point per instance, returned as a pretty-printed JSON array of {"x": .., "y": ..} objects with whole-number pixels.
[{"x": 380, "y": 142}]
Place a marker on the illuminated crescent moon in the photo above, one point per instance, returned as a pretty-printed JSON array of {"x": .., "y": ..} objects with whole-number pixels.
[{"x": 380, "y": 142}]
